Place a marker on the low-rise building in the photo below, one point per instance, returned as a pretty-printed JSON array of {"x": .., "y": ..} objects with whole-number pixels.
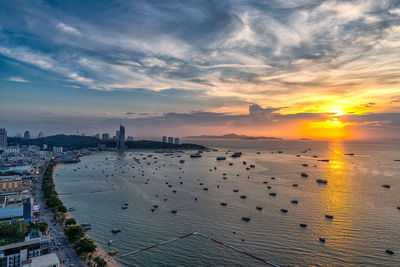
[
  {"x": 47, "y": 260},
  {"x": 58, "y": 149},
  {"x": 10, "y": 184},
  {"x": 16, "y": 254}
]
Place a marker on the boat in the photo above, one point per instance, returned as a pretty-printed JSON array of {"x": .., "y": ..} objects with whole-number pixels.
[
  {"x": 265, "y": 182},
  {"x": 243, "y": 197},
  {"x": 303, "y": 225},
  {"x": 115, "y": 230},
  {"x": 174, "y": 211},
  {"x": 389, "y": 251},
  {"x": 174, "y": 191},
  {"x": 322, "y": 181},
  {"x": 246, "y": 219},
  {"x": 324, "y": 160},
  {"x": 71, "y": 209},
  {"x": 303, "y": 174},
  {"x": 258, "y": 208},
  {"x": 196, "y": 155},
  {"x": 295, "y": 185},
  {"x": 124, "y": 207},
  {"x": 328, "y": 216},
  {"x": 350, "y": 154},
  {"x": 235, "y": 190},
  {"x": 322, "y": 240},
  {"x": 230, "y": 164},
  {"x": 221, "y": 158},
  {"x": 386, "y": 186},
  {"x": 272, "y": 194},
  {"x": 109, "y": 242},
  {"x": 205, "y": 189},
  {"x": 182, "y": 161},
  {"x": 244, "y": 162},
  {"x": 86, "y": 226},
  {"x": 294, "y": 201},
  {"x": 236, "y": 155},
  {"x": 252, "y": 166},
  {"x": 284, "y": 210},
  {"x": 305, "y": 165},
  {"x": 223, "y": 204},
  {"x": 112, "y": 252},
  {"x": 155, "y": 206}
]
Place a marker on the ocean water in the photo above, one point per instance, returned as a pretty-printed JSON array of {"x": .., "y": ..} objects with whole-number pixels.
[{"x": 366, "y": 219}]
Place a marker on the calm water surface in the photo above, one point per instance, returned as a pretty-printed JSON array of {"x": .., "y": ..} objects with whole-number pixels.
[{"x": 366, "y": 219}]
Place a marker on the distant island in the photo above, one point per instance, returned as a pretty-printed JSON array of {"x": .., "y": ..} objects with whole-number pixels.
[
  {"x": 233, "y": 136},
  {"x": 72, "y": 142}
]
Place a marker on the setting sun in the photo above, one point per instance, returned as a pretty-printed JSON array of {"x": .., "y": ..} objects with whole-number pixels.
[{"x": 329, "y": 129}]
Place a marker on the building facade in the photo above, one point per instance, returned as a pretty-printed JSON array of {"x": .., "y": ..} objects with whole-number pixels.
[
  {"x": 121, "y": 137},
  {"x": 164, "y": 139},
  {"x": 27, "y": 135},
  {"x": 170, "y": 140},
  {"x": 10, "y": 184},
  {"x": 176, "y": 141},
  {"x": 105, "y": 136},
  {"x": 3, "y": 137}
]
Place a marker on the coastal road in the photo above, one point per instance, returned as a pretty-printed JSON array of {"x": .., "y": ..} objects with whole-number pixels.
[{"x": 66, "y": 254}]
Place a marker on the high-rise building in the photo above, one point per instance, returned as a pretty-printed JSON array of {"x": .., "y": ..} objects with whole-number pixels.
[
  {"x": 105, "y": 136},
  {"x": 176, "y": 141},
  {"x": 164, "y": 139},
  {"x": 41, "y": 135},
  {"x": 3, "y": 137},
  {"x": 27, "y": 135},
  {"x": 129, "y": 139},
  {"x": 97, "y": 136},
  {"x": 121, "y": 137},
  {"x": 170, "y": 140}
]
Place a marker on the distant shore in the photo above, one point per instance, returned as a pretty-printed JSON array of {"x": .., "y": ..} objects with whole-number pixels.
[{"x": 99, "y": 251}]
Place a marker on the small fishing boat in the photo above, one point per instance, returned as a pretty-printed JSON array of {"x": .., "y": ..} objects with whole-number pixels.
[
  {"x": 284, "y": 210},
  {"x": 243, "y": 197},
  {"x": 223, "y": 204},
  {"x": 112, "y": 252},
  {"x": 235, "y": 190},
  {"x": 205, "y": 189},
  {"x": 124, "y": 207},
  {"x": 303, "y": 225},
  {"x": 115, "y": 230},
  {"x": 322, "y": 240},
  {"x": 272, "y": 194},
  {"x": 328, "y": 216},
  {"x": 221, "y": 158},
  {"x": 388, "y": 251},
  {"x": 109, "y": 242},
  {"x": 303, "y": 174},
  {"x": 174, "y": 211},
  {"x": 294, "y": 201},
  {"x": 258, "y": 208},
  {"x": 386, "y": 186},
  {"x": 246, "y": 219},
  {"x": 322, "y": 181}
]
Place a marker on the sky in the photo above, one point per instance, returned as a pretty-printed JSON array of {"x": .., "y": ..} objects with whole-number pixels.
[{"x": 292, "y": 69}]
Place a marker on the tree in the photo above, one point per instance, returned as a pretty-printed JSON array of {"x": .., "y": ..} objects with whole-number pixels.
[
  {"x": 74, "y": 233},
  {"x": 100, "y": 262},
  {"x": 70, "y": 221},
  {"x": 42, "y": 226},
  {"x": 84, "y": 246}
]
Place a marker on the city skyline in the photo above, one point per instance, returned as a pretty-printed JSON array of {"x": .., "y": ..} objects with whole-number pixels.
[{"x": 282, "y": 68}]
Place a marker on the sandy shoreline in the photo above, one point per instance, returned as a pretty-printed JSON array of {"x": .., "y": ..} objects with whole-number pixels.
[{"x": 99, "y": 251}]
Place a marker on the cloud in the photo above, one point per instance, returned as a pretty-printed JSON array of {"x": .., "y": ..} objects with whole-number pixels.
[
  {"x": 17, "y": 79},
  {"x": 68, "y": 29}
]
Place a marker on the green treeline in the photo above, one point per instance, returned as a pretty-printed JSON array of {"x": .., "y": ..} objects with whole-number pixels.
[{"x": 50, "y": 194}]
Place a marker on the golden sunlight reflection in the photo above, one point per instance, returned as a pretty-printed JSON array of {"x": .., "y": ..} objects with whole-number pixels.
[{"x": 336, "y": 199}]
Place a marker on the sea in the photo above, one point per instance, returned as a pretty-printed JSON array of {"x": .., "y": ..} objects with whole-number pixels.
[{"x": 364, "y": 218}]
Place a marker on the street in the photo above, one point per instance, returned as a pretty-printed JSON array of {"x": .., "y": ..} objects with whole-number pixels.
[{"x": 66, "y": 254}]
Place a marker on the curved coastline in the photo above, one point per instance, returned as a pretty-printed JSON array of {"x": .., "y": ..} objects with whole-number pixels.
[{"x": 111, "y": 262}]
